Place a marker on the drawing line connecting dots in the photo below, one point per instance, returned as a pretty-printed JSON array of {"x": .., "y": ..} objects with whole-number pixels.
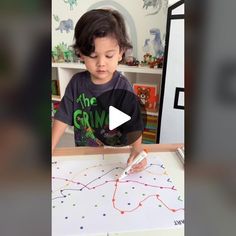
[{"x": 122, "y": 211}]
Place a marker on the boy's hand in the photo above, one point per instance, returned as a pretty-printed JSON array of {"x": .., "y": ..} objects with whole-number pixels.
[{"x": 138, "y": 167}]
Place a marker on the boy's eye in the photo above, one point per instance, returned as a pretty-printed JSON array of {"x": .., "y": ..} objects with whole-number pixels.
[
  {"x": 109, "y": 56},
  {"x": 92, "y": 56}
]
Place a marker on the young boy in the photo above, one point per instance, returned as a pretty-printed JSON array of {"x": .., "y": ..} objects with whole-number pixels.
[{"x": 100, "y": 42}]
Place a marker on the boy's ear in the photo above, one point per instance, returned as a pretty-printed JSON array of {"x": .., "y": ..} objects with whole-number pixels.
[
  {"x": 121, "y": 55},
  {"x": 81, "y": 57}
]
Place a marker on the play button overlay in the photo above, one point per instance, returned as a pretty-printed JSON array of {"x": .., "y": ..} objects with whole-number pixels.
[{"x": 117, "y": 118}]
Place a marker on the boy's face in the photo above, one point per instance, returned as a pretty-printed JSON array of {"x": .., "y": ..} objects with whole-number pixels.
[{"x": 104, "y": 60}]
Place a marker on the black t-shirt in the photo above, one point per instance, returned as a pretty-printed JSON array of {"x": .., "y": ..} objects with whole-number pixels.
[{"x": 85, "y": 106}]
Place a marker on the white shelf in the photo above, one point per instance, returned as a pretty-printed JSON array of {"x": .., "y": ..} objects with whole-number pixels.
[
  {"x": 121, "y": 68},
  {"x": 69, "y": 65},
  {"x": 150, "y": 113},
  {"x": 56, "y": 98},
  {"x": 70, "y": 130},
  {"x": 139, "y": 69}
]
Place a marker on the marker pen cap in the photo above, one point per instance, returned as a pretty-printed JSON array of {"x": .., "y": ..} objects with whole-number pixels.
[{"x": 145, "y": 150}]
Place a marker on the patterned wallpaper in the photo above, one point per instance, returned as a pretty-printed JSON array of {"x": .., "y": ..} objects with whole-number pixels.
[{"x": 145, "y": 22}]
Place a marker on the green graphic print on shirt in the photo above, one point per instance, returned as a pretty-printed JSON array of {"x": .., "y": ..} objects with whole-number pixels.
[{"x": 87, "y": 120}]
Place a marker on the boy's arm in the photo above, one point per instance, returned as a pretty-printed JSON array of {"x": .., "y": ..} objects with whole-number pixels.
[
  {"x": 136, "y": 149},
  {"x": 58, "y": 129}
]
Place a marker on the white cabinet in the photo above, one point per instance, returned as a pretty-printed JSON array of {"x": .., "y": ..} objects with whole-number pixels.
[{"x": 63, "y": 72}]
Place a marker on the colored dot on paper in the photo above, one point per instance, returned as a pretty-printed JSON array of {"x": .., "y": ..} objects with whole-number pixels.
[
  {"x": 133, "y": 187},
  {"x": 126, "y": 192},
  {"x": 83, "y": 217},
  {"x": 129, "y": 203},
  {"x": 74, "y": 204},
  {"x": 140, "y": 177},
  {"x": 103, "y": 195},
  {"x": 143, "y": 194},
  {"x": 104, "y": 214},
  {"x": 66, "y": 217},
  {"x": 81, "y": 227},
  {"x": 96, "y": 205},
  {"x": 159, "y": 205},
  {"x": 53, "y": 206},
  {"x": 61, "y": 201}
]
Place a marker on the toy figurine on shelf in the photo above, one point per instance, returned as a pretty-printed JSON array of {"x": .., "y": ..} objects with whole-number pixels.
[
  {"x": 63, "y": 53},
  {"x": 131, "y": 61},
  {"x": 54, "y": 56},
  {"x": 151, "y": 61},
  {"x": 60, "y": 55},
  {"x": 68, "y": 56},
  {"x": 146, "y": 59},
  {"x": 160, "y": 61}
]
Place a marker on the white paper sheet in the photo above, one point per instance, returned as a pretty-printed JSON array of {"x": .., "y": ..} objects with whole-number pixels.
[{"x": 87, "y": 199}]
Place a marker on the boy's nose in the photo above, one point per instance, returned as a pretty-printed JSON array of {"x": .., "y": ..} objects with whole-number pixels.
[{"x": 100, "y": 61}]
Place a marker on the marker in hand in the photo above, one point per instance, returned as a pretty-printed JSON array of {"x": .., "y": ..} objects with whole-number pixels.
[{"x": 136, "y": 160}]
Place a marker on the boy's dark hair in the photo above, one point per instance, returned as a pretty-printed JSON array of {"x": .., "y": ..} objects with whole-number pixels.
[{"x": 99, "y": 23}]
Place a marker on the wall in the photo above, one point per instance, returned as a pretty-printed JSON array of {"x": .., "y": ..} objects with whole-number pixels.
[
  {"x": 171, "y": 2},
  {"x": 140, "y": 19}
]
